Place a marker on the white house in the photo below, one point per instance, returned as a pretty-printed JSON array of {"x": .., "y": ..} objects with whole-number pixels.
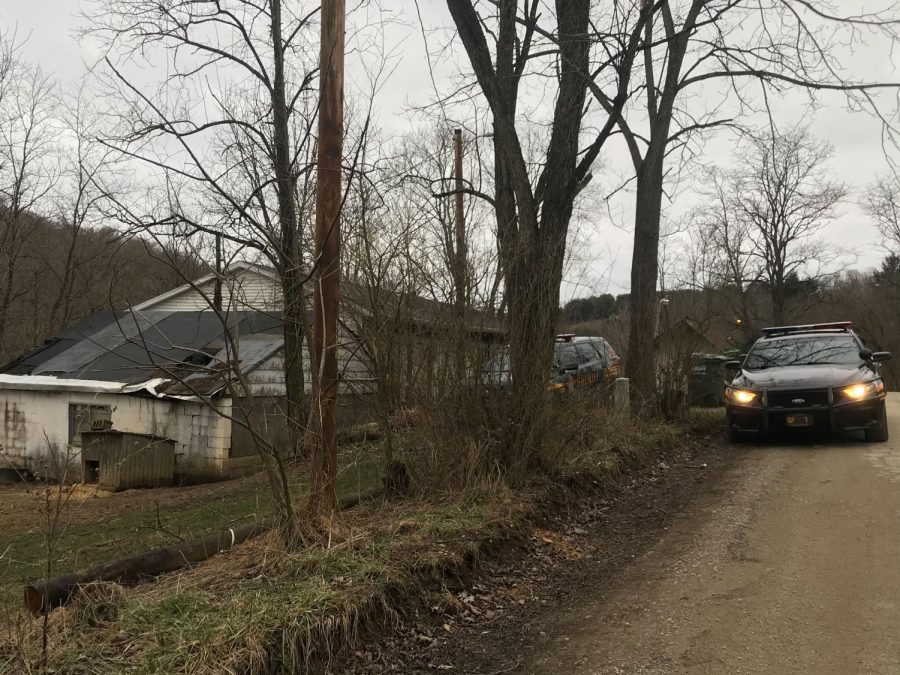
[
  {"x": 152, "y": 372},
  {"x": 170, "y": 367}
]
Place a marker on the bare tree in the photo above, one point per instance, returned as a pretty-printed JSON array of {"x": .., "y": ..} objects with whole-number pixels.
[
  {"x": 86, "y": 174},
  {"x": 728, "y": 247},
  {"x": 382, "y": 245},
  {"x": 882, "y": 203},
  {"x": 421, "y": 174},
  {"x": 785, "y": 196},
  {"x": 28, "y": 168},
  {"x": 8, "y": 62},
  {"x": 508, "y": 44},
  {"x": 227, "y": 132},
  {"x": 698, "y": 50}
]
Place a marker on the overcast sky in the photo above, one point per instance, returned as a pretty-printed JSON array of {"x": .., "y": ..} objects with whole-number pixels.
[{"x": 50, "y": 25}]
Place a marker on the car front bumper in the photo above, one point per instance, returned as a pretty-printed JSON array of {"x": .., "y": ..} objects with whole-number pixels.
[{"x": 844, "y": 416}]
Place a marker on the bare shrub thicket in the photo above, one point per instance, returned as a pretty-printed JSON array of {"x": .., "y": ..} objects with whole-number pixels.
[
  {"x": 226, "y": 137},
  {"x": 421, "y": 307}
]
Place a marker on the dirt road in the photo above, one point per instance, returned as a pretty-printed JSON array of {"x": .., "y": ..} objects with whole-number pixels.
[{"x": 794, "y": 567}]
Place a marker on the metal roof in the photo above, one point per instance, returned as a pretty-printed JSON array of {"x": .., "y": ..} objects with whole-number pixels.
[
  {"x": 137, "y": 347},
  {"x": 425, "y": 312},
  {"x": 26, "y": 363},
  {"x": 252, "y": 351}
]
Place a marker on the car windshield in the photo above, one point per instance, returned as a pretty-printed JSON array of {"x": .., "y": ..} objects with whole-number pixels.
[
  {"x": 566, "y": 356},
  {"x": 804, "y": 351}
]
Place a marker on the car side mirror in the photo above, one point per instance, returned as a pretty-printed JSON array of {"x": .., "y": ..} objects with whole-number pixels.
[
  {"x": 880, "y": 357},
  {"x": 733, "y": 365},
  {"x": 866, "y": 354}
]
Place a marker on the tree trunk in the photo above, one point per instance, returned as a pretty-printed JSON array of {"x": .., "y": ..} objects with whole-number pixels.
[
  {"x": 641, "y": 356},
  {"x": 63, "y": 297},
  {"x": 291, "y": 276},
  {"x": 532, "y": 221},
  {"x": 779, "y": 304},
  {"x": 289, "y": 256},
  {"x": 459, "y": 263},
  {"x": 532, "y": 288},
  {"x": 6, "y": 294}
]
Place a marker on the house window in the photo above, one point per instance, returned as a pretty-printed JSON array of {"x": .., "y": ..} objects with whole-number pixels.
[{"x": 83, "y": 417}]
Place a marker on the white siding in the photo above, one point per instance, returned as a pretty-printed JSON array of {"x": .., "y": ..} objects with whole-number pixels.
[
  {"x": 247, "y": 290},
  {"x": 36, "y": 424},
  {"x": 357, "y": 376},
  {"x": 254, "y": 291},
  {"x": 267, "y": 379}
]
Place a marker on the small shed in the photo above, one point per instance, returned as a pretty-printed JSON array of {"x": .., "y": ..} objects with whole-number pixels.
[{"x": 117, "y": 460}]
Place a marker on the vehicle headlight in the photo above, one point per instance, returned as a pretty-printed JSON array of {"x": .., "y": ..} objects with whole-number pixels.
[
  {"x": 742, "y": 396},
  {"x": 864, "y": 390}
]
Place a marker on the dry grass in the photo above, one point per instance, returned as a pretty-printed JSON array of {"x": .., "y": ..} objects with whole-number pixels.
[
  {"x": 262, "y": 609},
  {"x": 98, "y": 603},
  {"x": 97, "y": 527},
  {"x": 589, "y": 436}
]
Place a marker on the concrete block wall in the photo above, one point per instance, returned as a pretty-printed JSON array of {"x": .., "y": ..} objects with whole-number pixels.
[{"x": 35, "y": 431}]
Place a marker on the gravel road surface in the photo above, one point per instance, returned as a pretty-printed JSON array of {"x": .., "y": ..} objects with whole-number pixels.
[{"x": 792, "y": 567}]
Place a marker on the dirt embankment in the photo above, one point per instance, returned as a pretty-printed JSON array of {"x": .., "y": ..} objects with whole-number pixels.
[
  {"x": 492, "y": 624},
  {"x": 776, "y": 558}
]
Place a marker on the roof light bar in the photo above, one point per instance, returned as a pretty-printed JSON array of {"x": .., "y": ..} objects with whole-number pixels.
[
  {"x": 784, "y": 330},
  {"x": 565, "y": 337}
]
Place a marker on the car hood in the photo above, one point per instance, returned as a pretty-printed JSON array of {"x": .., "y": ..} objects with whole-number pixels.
[{"x": 803, "y": 377}]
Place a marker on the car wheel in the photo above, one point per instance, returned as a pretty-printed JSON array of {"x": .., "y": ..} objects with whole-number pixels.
[
  {"x": 879, "y": 433},
  {"x": 735, "y": 436}
]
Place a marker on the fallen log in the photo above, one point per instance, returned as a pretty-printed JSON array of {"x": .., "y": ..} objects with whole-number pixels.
[
  {"x": 56, "y": 592},
  {"x": 360, "y": 433}
]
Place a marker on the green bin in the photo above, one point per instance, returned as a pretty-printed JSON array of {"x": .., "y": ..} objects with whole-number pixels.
[{"x": 707, "y": 384}]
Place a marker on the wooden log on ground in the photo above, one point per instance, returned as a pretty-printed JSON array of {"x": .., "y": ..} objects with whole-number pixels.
[
  {"x": 57, "y": 591},
  {"x": 360, "y": 433}
]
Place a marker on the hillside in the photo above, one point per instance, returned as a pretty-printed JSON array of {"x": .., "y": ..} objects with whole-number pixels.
[{"x": 52, "y": 275}]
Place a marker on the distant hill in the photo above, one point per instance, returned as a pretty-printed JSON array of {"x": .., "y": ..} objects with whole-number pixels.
[{"x": 52, "y": 276}]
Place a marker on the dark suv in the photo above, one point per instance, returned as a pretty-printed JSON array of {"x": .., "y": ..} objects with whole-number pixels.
[
  {"x": 576, "y": 361},
  {"x": 582, "y": 360},
  {"x": 807, "y": 378}
]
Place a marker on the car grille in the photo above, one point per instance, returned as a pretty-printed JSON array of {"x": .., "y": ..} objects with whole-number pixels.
[{"x": 812, "y": 398}]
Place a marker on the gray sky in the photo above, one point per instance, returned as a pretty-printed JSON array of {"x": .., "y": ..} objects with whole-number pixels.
[{"x": 606, "y": 251}]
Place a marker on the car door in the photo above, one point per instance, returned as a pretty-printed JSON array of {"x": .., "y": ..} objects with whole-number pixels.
[
  {"x": 590, "y": 363},
  {"x": 565, "y": 363},
  {"x": 611, "y": 361},
  {"x": 614, "y": 363}
]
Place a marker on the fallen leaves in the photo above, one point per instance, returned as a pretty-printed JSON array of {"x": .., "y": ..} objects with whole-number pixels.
[{"x": 560, "y": 544}]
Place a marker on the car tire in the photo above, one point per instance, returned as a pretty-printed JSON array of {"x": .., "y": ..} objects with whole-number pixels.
[
  {"x": 879, "y": 433},
  {"x": 735, "y": 436}
]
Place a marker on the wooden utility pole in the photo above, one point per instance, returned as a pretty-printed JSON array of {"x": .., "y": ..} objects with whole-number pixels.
[
  {"x": 459, "y": 261},
  {"x": 323, "y": 498}
]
